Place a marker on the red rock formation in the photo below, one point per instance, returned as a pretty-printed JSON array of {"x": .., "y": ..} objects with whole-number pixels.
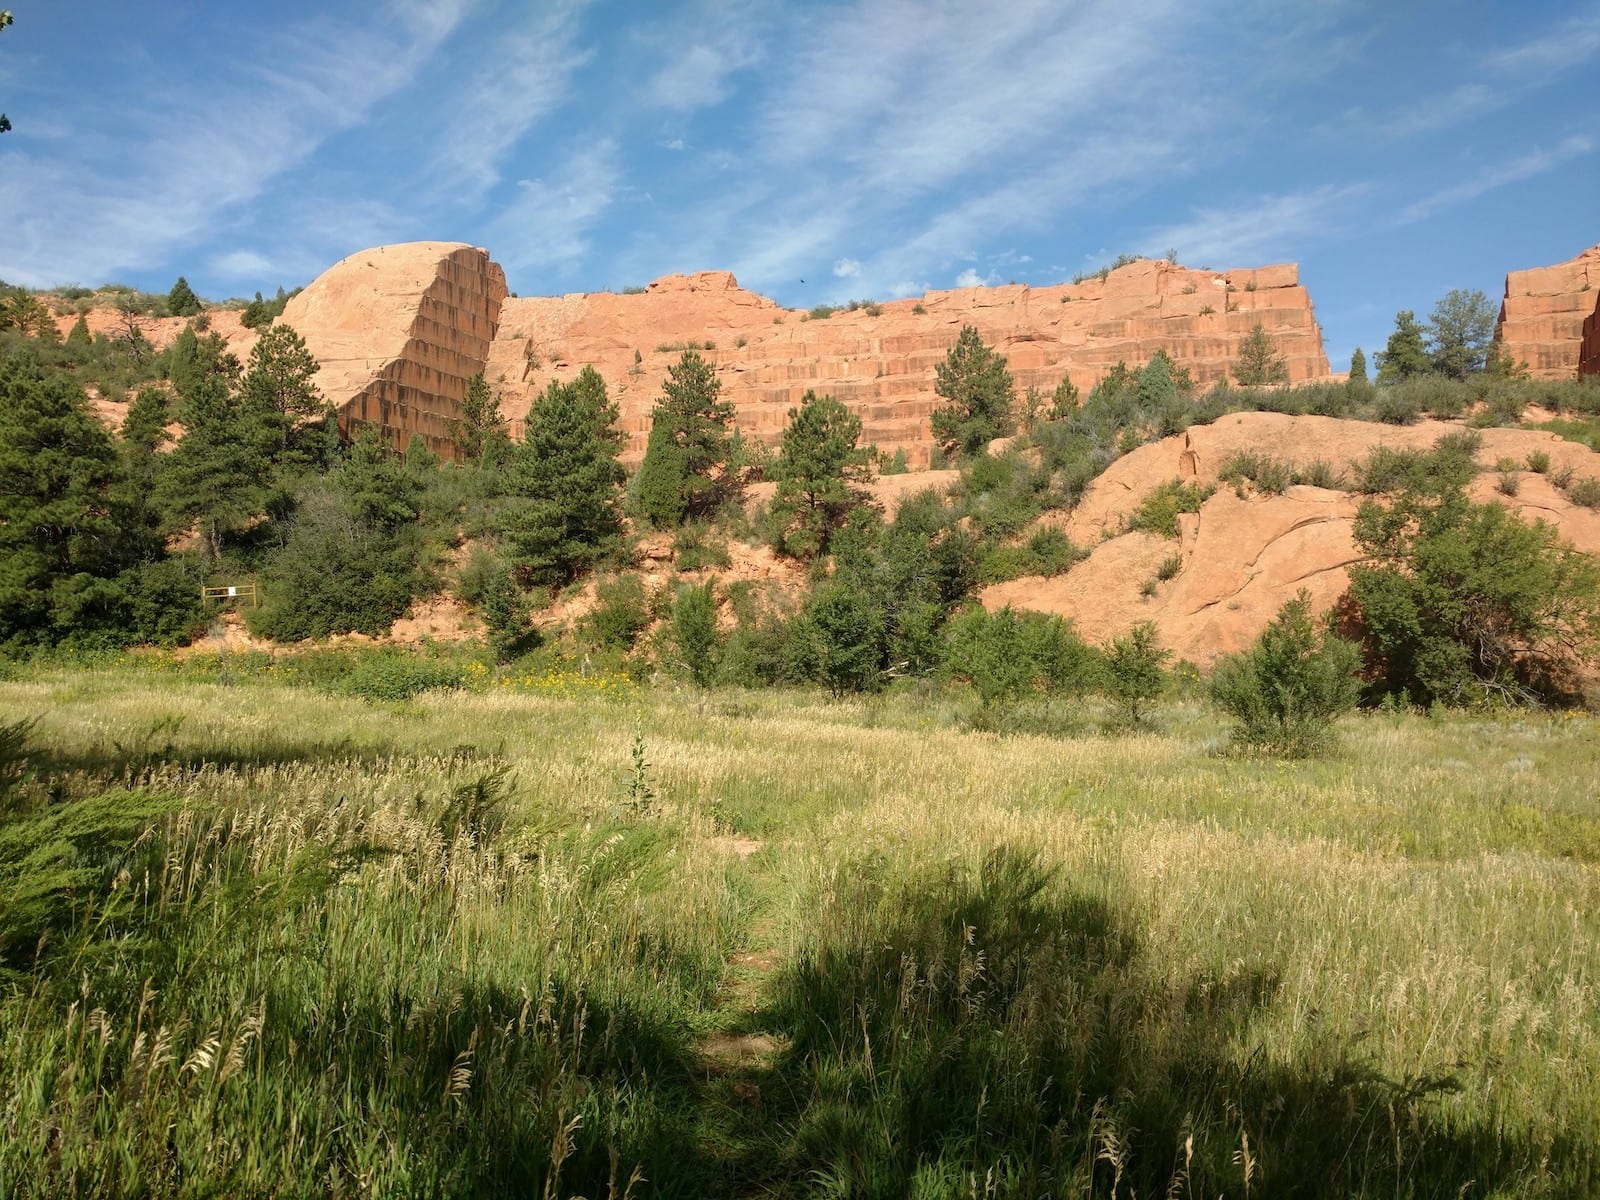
[
  {"x": 1242, "y": 557},
  {"x": 1542, "y": 316},
  {"x": 398, "y": 331},
  {"x": 880, "y": 359},
  {"x": 1589, "y": 350}
]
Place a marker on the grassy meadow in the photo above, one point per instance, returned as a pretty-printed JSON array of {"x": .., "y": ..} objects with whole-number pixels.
[{"x": 616, "y": 941}]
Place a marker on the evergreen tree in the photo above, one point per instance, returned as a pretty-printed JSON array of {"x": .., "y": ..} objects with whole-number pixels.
[
  {"x": 1405, "y": 355},
  {"x": 1358, "y": 369},
  {"x": 1064, "y": 401},
  {"x": 819, "y": 469},
  {"x": 1157, "y": 388},
  {"x": 978, "y": 392},
  {"x": 181, "y": 300},
  {"x": 220, "y": 476},
  {"x": 257, "y": 314},
  {"x": 78, "y": 339},
  {"x": 566, "y": 478},
  {"x": 480, "y": 434},
  {"x": 839, "y": 640},
  {"x": 1259, "y": 363},
  {"x": 1460, "y": 330},
  {"x": 65, "y": 531},
  {"x": 280, "y": 392},
  {"x": 684, "y": 471}
]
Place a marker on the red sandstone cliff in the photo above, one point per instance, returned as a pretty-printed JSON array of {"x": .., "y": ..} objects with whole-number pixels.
[
  {"x": 1589, "y": 349},
  {"x": 880, "y": 359},
  {"x": 1542, "y": 315}
]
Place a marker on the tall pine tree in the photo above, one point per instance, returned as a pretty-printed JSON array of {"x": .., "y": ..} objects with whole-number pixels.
[{"x": 566, "y": 481}]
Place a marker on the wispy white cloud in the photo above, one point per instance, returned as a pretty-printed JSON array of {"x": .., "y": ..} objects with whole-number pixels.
[
  {"x": 1535, "y": 162},
  {"x": 847, "y": 268},
  {"x": 1273, "y": 227},
  {"x": 99, "y": 202},
  {"x": 546, "y": 226},
  {"x": 526, "y": 76},
  {"x": 971, "y": 279},
  {"x": 1575, "y": 44}
]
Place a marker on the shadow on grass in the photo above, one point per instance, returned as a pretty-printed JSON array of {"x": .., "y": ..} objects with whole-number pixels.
[{"x": 993, "y": 1033}]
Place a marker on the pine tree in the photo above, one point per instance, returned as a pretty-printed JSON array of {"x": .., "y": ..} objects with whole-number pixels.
[
  {"x": 1404, "y": 356},
  {"x": 979, "y": 392},
  {"x": 1358, "y": 369},
  {"x": 480, "y": 434},
  {"x": 181, "y": 300},
  {"x": 1260, "y": 364},
  {"x": 567, "y": 480},
  {"x": 683, "y": 474},
  {"x": 1064, "y": 401},
  {"x": 78, "y": 339},
  {"x": 819, "y": 469},
  {"x": 65, "y": 531},
  {"x": 280, "y": 391},
  {"x": 220, "y": 475}
]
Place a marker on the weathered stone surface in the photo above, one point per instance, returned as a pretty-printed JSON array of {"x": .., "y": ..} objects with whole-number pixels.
[
  {"x": 1589, "y": 351},
  {"x": 1242, "y": 557},
  {"x": 398, "y": 331},
  {"x": 1543, "y": 314},
  {"x": 880, "y": 359}
]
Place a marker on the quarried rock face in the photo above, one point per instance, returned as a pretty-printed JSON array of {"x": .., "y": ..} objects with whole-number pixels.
[
  {"x": 398, "y": 331},
  {"x": 1589, "y": 351},
  {"x": 880, "y": 359},
  {"x": 1542, "y": 316}
]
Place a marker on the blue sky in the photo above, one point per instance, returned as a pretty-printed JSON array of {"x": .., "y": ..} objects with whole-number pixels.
[{"x": 820, "y": 151}]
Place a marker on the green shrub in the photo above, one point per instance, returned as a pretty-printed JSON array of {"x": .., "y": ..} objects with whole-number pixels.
[
  {"x": 1132, "y": 674},
  {"x": 1288, "y": 689},
  {"x": 1006, "y": 655},
  {"x": 620, "y": 614},
  {"x": 1538, "y": 462},
  {"x": 694, "y": 632},
  {"x": 1584, "y": 491},
  {"x": 1169, "y": 568},
  {"x": 1158, "y": 512},
  {"x": 1270, "y": 475},
  {"x": 1318, "y": 474},
  {"x": 699, "y": 545},
  {"x": 396, "y": 675}
]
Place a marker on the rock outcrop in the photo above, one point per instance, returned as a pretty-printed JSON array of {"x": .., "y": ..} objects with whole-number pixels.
[
  {"x": 398, "y": 331},
  {"x": 1589, "y": 349},
  {"x": 879, "y": 359},
  {"x": 1543, "y": 314},
  {"x": 1241, "y": 557}
]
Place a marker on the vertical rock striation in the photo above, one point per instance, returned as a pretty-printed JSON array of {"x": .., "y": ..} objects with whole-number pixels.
[
  {"x": 880, "y": 359},
  {"x": 398, "y": 331},
  {"x": 1543, "y": 313}
]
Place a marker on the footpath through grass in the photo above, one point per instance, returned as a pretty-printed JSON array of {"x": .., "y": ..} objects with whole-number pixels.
[{"x": 258, "y": 939}]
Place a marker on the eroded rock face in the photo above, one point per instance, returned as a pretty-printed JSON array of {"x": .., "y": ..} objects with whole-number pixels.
[
  {"x": 1542, "y": 318},
  {"x": 398, "y": 331},
  {"x": 880, "y": 360},
  {"x": 1589, "y": 350},
  {"x": 1241, "y": 557}
]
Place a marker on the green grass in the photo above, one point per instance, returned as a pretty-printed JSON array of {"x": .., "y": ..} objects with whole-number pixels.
[{"x": 268, "y": 939}]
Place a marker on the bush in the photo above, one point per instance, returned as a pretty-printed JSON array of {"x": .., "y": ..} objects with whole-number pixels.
[
  {"x": 1584, "y": 492},
  {"x": 694, "y": 632},
  {"x": 398, "y": 676},
  {"x": 1133, "y": 674},
  {"x": 1158, "y": 512},
  {"x": 620, "y": 614},
  {"x": 1007, "y": 655},
  {"x": 1270, "y": 475},
  {"x": 1287, "y": 690}
]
